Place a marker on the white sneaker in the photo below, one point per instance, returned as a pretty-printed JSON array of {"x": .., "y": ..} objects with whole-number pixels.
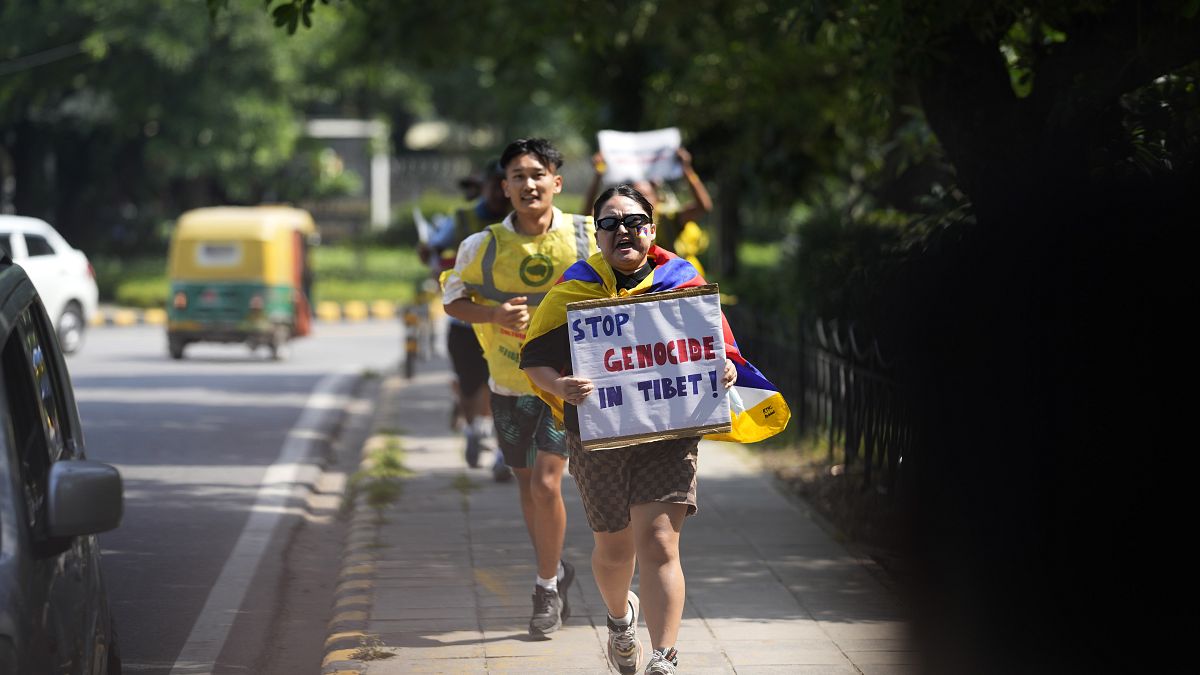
[
  {"x": 624, "y": 649},
  {"x": 662, "y": 662}
]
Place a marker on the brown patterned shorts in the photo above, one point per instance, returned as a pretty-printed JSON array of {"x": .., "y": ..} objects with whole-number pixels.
[{"x": 610, "y": 481}]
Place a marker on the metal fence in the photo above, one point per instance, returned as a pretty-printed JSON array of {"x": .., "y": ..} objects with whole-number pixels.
[{"x": 839, "y": 385}]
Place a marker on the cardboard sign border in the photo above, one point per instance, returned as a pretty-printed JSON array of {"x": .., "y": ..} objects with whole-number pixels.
[{"x": 635, "y": 439}]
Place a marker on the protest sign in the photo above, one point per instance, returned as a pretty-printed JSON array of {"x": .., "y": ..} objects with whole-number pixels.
[
  {"x": 657, "y": 361},
  {"x": 643, "y": 155}
]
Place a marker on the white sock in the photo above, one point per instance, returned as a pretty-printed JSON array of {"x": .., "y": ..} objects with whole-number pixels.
[
  {"x": 550, "y": 584},
  {"x": 625, "y": 620},
  {"x": 560, "y": 572},
  {"x": 472, "y": 431}
]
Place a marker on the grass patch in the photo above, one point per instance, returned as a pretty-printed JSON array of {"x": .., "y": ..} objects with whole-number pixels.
[
  {"x": 345, "y": 273},
  {"x": 381, "y": 475},
  {"x": 134, "y": 282},
  {"x": 465, "y": 487},
  {"x": 757, "y": 256},
  {"x": 371, "y": 648}
]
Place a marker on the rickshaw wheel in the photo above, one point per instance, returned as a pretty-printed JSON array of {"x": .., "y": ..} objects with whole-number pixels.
[{"x": 175, "y": 347}]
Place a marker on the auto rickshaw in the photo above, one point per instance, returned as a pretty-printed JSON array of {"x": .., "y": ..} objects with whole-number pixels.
[{"x": 240, "y": 274}]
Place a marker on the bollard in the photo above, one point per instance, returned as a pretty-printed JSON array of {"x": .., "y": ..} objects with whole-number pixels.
[{"x": 411, "y": 342}]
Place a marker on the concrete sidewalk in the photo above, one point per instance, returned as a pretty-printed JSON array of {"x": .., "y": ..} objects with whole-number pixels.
[{"x": 442, "y": 579}]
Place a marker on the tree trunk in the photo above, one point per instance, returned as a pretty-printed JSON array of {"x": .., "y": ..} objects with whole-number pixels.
[
  {"x": 729, "y": 233},
  {"x": 33, "y": 167}
]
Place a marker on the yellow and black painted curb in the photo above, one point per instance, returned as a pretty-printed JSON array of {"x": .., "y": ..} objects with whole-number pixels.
[
  {"x": 125, "y": 316},
  {"x": 348, "y": 644},
  {"x": 347, "y": 634},
  {"x": 351, "y": 311}
]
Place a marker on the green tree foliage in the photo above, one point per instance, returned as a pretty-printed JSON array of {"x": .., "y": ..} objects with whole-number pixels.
[
  {"x": 116, "y": 115},
  {"x": 774, "y": 100}
]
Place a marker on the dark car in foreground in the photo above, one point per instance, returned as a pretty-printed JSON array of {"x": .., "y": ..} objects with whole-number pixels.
[{"x": 54, "y": 615}]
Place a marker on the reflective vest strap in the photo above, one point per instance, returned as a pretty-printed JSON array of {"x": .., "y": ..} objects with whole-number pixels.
[
  {"x": 581, "y": 236},
  {"x": 488, "y": 289},
  {"x": 498, "y": 296},
  {"x": 489, "y": 259}
]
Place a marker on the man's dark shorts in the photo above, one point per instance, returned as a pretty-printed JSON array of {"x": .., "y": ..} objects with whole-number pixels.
[
  {"x": 524, "y": 425},
  {"x": 611, "y": 481},
  {"x": 467, "y": 356}
]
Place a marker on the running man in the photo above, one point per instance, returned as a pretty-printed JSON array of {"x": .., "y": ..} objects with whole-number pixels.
[
  {"x": 499, "y": 277},
  {"x": 470, "y": 368}
]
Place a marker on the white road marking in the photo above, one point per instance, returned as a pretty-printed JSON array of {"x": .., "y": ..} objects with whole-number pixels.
[{"x": 290, "y": 470}]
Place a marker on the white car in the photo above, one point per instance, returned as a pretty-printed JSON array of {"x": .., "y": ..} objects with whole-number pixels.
[{"x": 61, "y": 274}]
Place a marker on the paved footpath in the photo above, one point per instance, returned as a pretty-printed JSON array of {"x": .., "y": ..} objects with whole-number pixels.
[{"x": 442, "y": 578}]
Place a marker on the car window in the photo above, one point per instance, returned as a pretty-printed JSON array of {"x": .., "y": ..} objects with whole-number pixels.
[
  {"x": 6, "y": 243},
  {"x": 36, "y": 245},
  {"x": 32, "y": 450}
]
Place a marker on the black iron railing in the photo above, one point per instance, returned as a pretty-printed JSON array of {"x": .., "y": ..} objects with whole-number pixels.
[{"x": 839, "y": 385}]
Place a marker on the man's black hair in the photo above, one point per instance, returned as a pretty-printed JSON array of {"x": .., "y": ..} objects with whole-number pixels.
[
  {"x": 622, "y": 190},
  {"x": 541, "y": 148}
]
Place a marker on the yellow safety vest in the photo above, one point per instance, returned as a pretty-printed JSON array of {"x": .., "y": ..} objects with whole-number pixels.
[{"x": 512, "y": 264}]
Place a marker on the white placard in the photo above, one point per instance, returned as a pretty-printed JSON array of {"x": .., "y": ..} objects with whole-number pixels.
[
  {"x": 643, "y": 155},
  {"x": 657, "y": 362}
]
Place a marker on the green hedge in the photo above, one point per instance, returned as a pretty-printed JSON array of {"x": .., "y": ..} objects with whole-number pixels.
[{"x": 342, "y": 273}]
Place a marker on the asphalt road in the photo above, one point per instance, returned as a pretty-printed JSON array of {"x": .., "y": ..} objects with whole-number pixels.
[{"x": 211, "y": 449}]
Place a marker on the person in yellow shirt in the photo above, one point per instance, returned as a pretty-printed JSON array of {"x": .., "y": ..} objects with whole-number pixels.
[{"x": 498, "y": 279}]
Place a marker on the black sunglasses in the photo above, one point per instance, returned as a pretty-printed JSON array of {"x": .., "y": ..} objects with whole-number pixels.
[{"x": 631, "y": 222}]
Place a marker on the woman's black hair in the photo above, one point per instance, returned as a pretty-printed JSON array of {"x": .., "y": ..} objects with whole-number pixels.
[{"x": 623, "y": 190}]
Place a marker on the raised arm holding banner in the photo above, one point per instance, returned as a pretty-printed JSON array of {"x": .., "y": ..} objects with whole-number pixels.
[{"x": 634, "y": 156}]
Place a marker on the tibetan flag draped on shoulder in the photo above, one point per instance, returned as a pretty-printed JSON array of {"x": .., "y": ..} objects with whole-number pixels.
[{"x": 757, "y": 409}]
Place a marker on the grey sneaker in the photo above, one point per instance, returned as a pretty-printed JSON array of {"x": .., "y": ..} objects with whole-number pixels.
[
  {"x": 547, "y": 611},
  {"x": 474, "y": 446},
  {"x": 552, "y": 608},
  {"x": 624, "y": 649},
  {"x": 662, "y": 662}
]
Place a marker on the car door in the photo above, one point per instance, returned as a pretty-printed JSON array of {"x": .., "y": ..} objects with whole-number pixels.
[{"x": 58, "y": 575}]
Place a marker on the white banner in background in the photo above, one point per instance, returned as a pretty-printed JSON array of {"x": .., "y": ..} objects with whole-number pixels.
[
  {"x": 640, "y": 155},
  {"x": 657, "y": 361}
]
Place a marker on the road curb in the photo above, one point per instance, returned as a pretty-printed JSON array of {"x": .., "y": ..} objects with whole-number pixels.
[
  {"x": 342, "y": 312},
  {"x": 352, "y": 600},
  {"x": 353, "y": 596}
]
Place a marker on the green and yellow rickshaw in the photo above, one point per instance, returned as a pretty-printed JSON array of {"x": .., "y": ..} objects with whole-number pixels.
[{"x": 240, "y": 274}]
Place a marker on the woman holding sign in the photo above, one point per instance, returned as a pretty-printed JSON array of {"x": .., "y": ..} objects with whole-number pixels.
[{"x": 635, "y": 497}]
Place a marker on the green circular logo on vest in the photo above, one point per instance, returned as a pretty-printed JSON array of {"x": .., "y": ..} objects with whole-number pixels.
[{"x": 536, "y": 269}]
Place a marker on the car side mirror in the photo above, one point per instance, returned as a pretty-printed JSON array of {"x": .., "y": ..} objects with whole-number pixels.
[{"x": 85, "y": 497}]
